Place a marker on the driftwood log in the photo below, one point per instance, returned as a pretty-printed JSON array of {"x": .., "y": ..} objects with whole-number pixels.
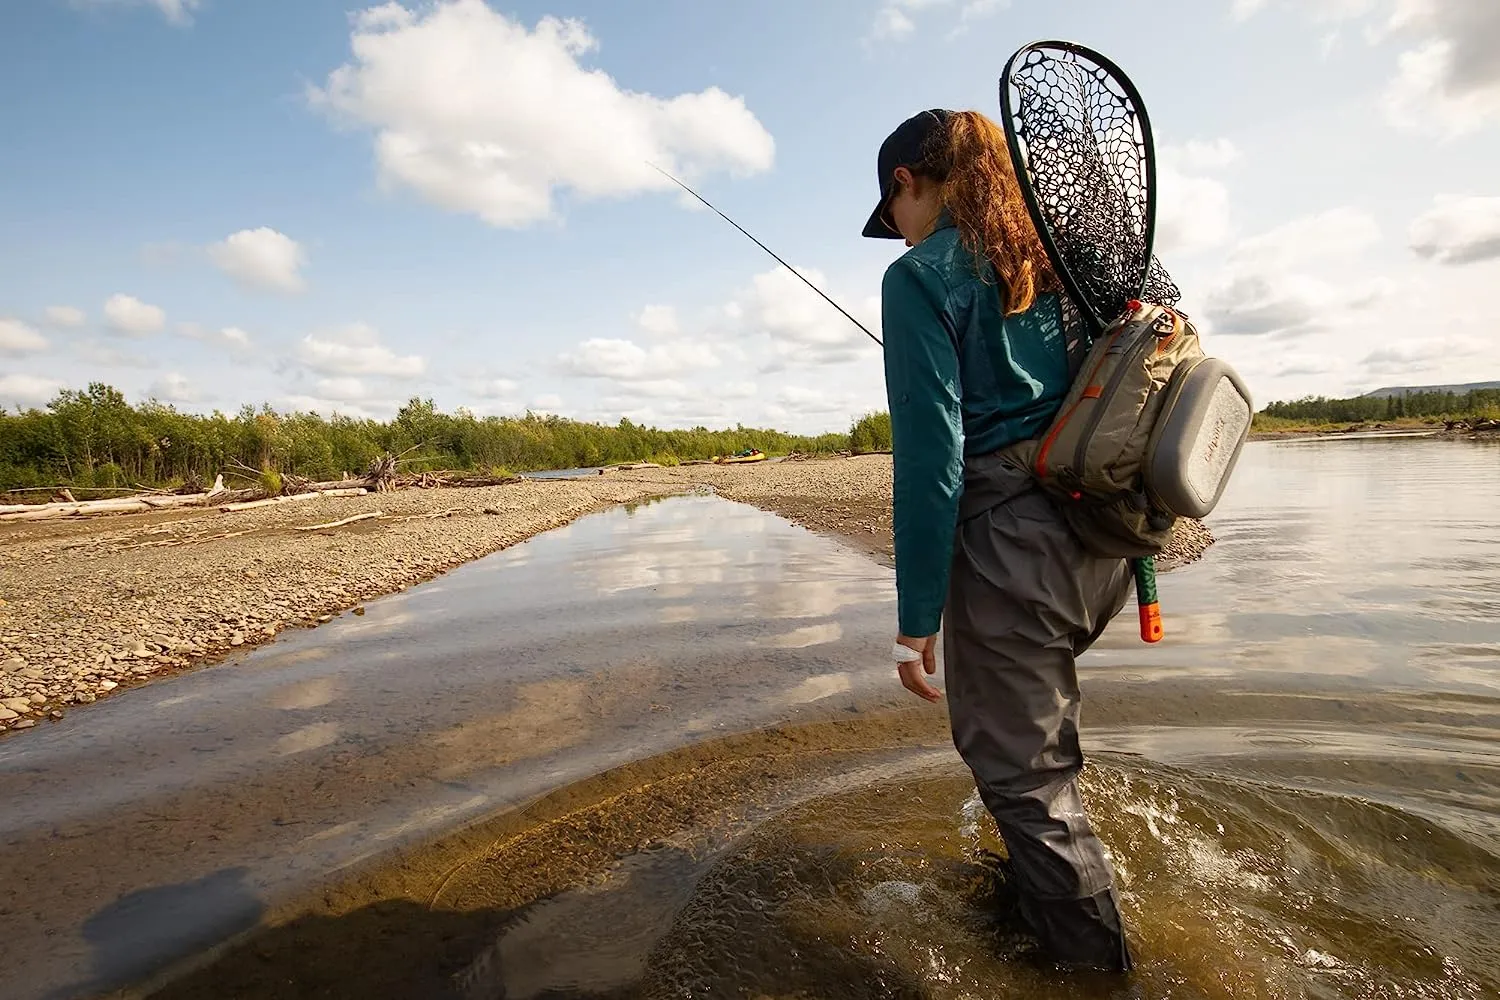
[
  {"x": 381, "y": 476},
  {"x": 339, "y": 524},
  {"x": 272, "y": 501},
  {"x": 116, "y": 505},
  {"x": 86, "y": 508}
]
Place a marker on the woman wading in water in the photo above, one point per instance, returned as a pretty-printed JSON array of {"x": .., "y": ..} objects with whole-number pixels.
[{"x": 975, "y": 360}]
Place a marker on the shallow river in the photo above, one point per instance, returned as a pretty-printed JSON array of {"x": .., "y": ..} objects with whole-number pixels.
[{"x": 1300, "y": 786}]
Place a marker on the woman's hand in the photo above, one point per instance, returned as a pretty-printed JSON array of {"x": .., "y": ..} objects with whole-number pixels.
[{"x": 911, "y": 672}]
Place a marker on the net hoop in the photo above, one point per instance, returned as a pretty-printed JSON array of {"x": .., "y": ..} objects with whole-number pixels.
[{"x": 1081, "y": 144}]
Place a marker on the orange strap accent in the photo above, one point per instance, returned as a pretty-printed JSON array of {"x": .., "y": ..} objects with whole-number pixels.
[
  {"x": 1092, "y": 392},
  {"x": 1041, "y": 455}
]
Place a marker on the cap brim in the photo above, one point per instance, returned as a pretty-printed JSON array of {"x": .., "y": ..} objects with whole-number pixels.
[{"x": 876, "y": 229}]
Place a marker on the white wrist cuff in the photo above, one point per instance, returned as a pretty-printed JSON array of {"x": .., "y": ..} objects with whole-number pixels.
[{"x": 905, "y": 654}]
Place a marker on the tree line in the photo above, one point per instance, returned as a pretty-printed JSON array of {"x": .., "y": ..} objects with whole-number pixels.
[
  {"x": 1429, "y": 405},
  {"x": 93, "y": 438}
]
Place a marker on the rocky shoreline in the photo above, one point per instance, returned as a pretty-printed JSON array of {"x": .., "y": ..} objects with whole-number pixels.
[
  {"x": 88, "y": 607},
  {"x": 1482, "y": 430}
]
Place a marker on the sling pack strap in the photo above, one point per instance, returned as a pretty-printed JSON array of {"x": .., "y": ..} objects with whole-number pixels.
[{"x": 1075, "y": 333}]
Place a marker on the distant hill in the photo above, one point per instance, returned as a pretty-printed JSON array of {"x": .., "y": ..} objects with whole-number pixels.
[{"x": 1406, "y": 390}]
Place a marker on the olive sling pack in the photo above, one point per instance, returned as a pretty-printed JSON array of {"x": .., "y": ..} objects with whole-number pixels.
[{"x": 1150, "y": 431}]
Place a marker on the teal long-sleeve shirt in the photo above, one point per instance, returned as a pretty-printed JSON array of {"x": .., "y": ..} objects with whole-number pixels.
[{"x": 961, "y": 379}]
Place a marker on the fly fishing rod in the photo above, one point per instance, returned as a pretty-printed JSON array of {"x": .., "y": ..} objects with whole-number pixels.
[{"x": 768, "y": 250}]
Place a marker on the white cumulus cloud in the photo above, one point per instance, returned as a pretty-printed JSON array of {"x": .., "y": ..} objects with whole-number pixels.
[
  {"x": 895, "y": 20},
  {"x": 892, "y": 24},
  {"x": 174, "y": 387},
  {"x": 19, "y": 338},
  {"x": 1458, "y": 230},
  {"x": 1271, "y": 284},
  {"x": 1192, "y": 209},
  {"x": 803, "y": 329},
  {"x": 356, "y": 350},
  {"x": 262, "y": 259},
  {"x": 1421, "y": 354},
  {"x": 1336, "y": 232},
  {"x": 1207, "y": 154},
  {"x": 178, "y": 12},
  {"x": 627, "y": 361},
  {"x": 496, "y": 388},
  {"x": 300, "y": 403},
  {"x": 479, "y": 114},
  {"x": 660, "y": 321},
  {"x": 65, "y": 316},
  {"x": 342, "y": 389},
  {"x": 231, "y": 337},
  {"x": 801, "y": 399},
  {"x": 128, "y": 314},
  {"x": 23, "y": 391},
  {"x": 1450, "y": 82},
  {"x": 666, "y": 388},
  {"x": 699, "y": 369},
  {"x": 1447, "y": 81}
]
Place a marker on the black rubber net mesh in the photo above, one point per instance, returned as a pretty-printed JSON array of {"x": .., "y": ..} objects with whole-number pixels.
[{"x": 1086, "y": 163}]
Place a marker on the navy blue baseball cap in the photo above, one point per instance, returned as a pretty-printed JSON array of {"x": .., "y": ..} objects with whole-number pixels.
[{"x": 904, "y": 147}]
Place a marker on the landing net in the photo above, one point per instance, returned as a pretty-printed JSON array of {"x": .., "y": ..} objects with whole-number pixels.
[{"x": 1082, "y": 148}]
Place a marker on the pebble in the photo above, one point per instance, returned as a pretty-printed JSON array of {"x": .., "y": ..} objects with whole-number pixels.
[
  {"x": 107, "y": 685},
  {"x": 26, "y": 724},
  {"x": 6, "y": 715},
  {"x": 22, "y": 705},
  {"x": 238, "y": 639}
]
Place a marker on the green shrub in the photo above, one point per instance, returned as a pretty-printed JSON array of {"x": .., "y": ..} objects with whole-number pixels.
[{"x": 871, "y": 433}]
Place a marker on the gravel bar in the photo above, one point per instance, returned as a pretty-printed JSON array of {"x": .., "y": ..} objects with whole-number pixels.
[{"x": 91, "y": 605}]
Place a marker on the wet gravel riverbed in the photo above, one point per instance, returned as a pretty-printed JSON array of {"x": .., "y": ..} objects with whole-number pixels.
[{"x": 90, "y": 606}]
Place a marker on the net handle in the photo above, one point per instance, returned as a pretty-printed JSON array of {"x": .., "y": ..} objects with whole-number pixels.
[{"x": 1018, "y": 161}]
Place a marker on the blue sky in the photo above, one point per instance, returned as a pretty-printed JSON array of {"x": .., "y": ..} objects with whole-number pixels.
[{"x": 334, "y": 206}]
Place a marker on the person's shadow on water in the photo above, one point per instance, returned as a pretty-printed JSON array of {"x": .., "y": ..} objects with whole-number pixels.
[{"x": 144, "y": 930}]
